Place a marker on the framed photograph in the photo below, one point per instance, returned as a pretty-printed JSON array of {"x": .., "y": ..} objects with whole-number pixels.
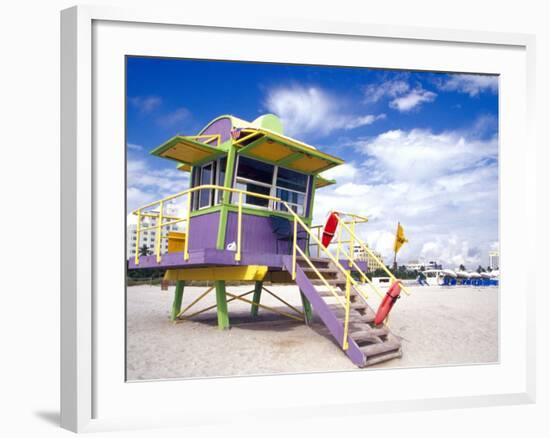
[{"x": 257, "y": 208}]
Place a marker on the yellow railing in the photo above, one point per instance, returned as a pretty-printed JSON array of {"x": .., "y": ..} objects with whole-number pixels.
[
  {"x": 350, "y": 281},
  {"x": 365, "y": 248},
  {"x": 249, "y": 134},
  {"x": 209, "y": 138},
  {"x": 351, "y": 220},
  {"x": 144, "y": 212},
  {"x": 347, "y": 223}
]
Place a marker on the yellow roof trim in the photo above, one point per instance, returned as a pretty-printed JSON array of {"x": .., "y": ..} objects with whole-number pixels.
[
  {"x": 184, "y": 167},
  {"x": 321, "y": 182}
]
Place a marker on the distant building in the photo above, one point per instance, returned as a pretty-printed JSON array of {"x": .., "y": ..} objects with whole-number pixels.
[
  {"x": 418, "y": 266},
  {"x": 363, "y": 256},
  {"x": 414, "y": 266},
  {"x": 494, "y": 260},
  {"x": 148, "y": 238}
]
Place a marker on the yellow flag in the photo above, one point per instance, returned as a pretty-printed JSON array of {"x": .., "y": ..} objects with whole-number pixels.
[{"x": 399, "y": 238}]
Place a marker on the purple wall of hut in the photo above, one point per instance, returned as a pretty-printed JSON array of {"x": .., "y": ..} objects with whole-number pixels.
[
  {"x": 204, "y": 231},
  {"x": 257, "y": 234}
]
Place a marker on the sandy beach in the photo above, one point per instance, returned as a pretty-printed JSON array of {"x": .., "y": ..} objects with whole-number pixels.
[{"x": 438, "y": 326}]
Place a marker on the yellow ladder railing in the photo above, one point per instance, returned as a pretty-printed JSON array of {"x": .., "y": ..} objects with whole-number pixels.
[
  {"x": 372, "y": 255},
  {"x": 340, "y": 243},
  {"x": 350, "y": 281},
  {"x": 352, "y": 240}
]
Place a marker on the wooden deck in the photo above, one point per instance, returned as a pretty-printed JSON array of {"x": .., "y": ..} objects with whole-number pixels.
[{"x": 216, "y": 257}]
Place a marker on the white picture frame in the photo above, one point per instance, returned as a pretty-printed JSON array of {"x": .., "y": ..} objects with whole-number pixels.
[{"x": 84, "y": 371}]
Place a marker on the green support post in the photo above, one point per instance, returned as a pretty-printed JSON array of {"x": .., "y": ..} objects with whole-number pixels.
[
  {"x": 226, "y": 197},
  {"x": 221, "y": 304},
  {"x": 306, "y": 305},
  {"x": 178, "y": 297},
  {"x": 256, "y": 299}
]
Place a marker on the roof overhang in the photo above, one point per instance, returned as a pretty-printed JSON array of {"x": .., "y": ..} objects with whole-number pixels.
[
  {"x": 284, "y": 151},
  {"x": 187, "y": 151},
  {"x": 184, "y": 167},
  {"x": 323, "y": 182}
]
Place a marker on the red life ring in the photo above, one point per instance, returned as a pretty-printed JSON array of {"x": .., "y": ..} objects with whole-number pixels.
[
  {"x": 330, "y": 229},
  {"x": 387, "y": 303}
]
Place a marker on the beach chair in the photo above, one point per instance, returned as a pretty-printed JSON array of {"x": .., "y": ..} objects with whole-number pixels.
[{"x": 283, "y": 229}]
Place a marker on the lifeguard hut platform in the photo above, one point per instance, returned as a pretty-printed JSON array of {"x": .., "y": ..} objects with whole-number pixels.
[{"x": 247, "y": 217}]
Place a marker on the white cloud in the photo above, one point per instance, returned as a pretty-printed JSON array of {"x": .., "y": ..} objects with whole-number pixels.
[
  {"x": 423, "y": 155},
  {"x": 412, "y": 99},
  {"x": 146, "y": 104},
  {"x": 311, "y": 110},
  {"x": 356, "y": 122},
  {"x": 343, "y": 173},
  {"x": 443, "y": 188},
  {"x": 402, "y": 96},
  {"x": 146, "y": 184},
  {"x": 391, "y": 88},
  {"x": 175, "y": 117},
  {"x": 453, "y": 251},
  {"x": 469, "y": 84}
]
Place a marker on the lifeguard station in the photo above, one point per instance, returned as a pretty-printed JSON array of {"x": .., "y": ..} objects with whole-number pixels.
[{"x": 247, "y": 216}]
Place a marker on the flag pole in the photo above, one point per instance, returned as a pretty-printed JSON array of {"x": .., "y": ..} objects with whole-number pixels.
[{"x": 395, "y": 249}]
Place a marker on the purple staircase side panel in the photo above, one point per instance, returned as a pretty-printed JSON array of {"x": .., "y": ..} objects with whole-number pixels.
[{"x": 323, "y": 311}]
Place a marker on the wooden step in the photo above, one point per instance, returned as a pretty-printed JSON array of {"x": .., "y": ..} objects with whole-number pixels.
[
  {"x": 354, "y": 315},
  {"x": 308, "y": 269},
  {"x": 367, "y": 313},
  {"x": 366, "y": 335},
  {"x": 359, "y": 305},
  {"x": 362, "y": 309},
  {"x": 363, "y": 327},
  {"x": 331, "y": 281},
  {"x": 359, "y": 326},
  {"x": 356, "y": 318},
  {"x": 383, "y": 357},
  {"x": 317, "y": 262},
  {"x": 327, "y": 293},
  {"x": 367, "y": 318},
  {"x": 376, "y": 349}
]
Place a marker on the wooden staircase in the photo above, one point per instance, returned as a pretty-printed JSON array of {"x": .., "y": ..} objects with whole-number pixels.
[{"x": 368, "y": 344}]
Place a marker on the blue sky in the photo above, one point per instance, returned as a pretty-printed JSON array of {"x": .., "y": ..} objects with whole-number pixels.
[{"x": 420, "y": 147}]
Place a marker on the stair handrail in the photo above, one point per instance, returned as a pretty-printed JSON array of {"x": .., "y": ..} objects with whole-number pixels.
[
  {"x": 373, "y": 256},
  {"x": 356, "y": 219},
  {"x": 349, "y": 279},
  {"x": 297, "y": 220},
  {"x": 321, "y": 277},
  {"x": 363, "y": 276}
]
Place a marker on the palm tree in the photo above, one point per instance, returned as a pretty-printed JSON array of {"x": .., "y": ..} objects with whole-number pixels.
[{"x": 144, "y": 250}]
